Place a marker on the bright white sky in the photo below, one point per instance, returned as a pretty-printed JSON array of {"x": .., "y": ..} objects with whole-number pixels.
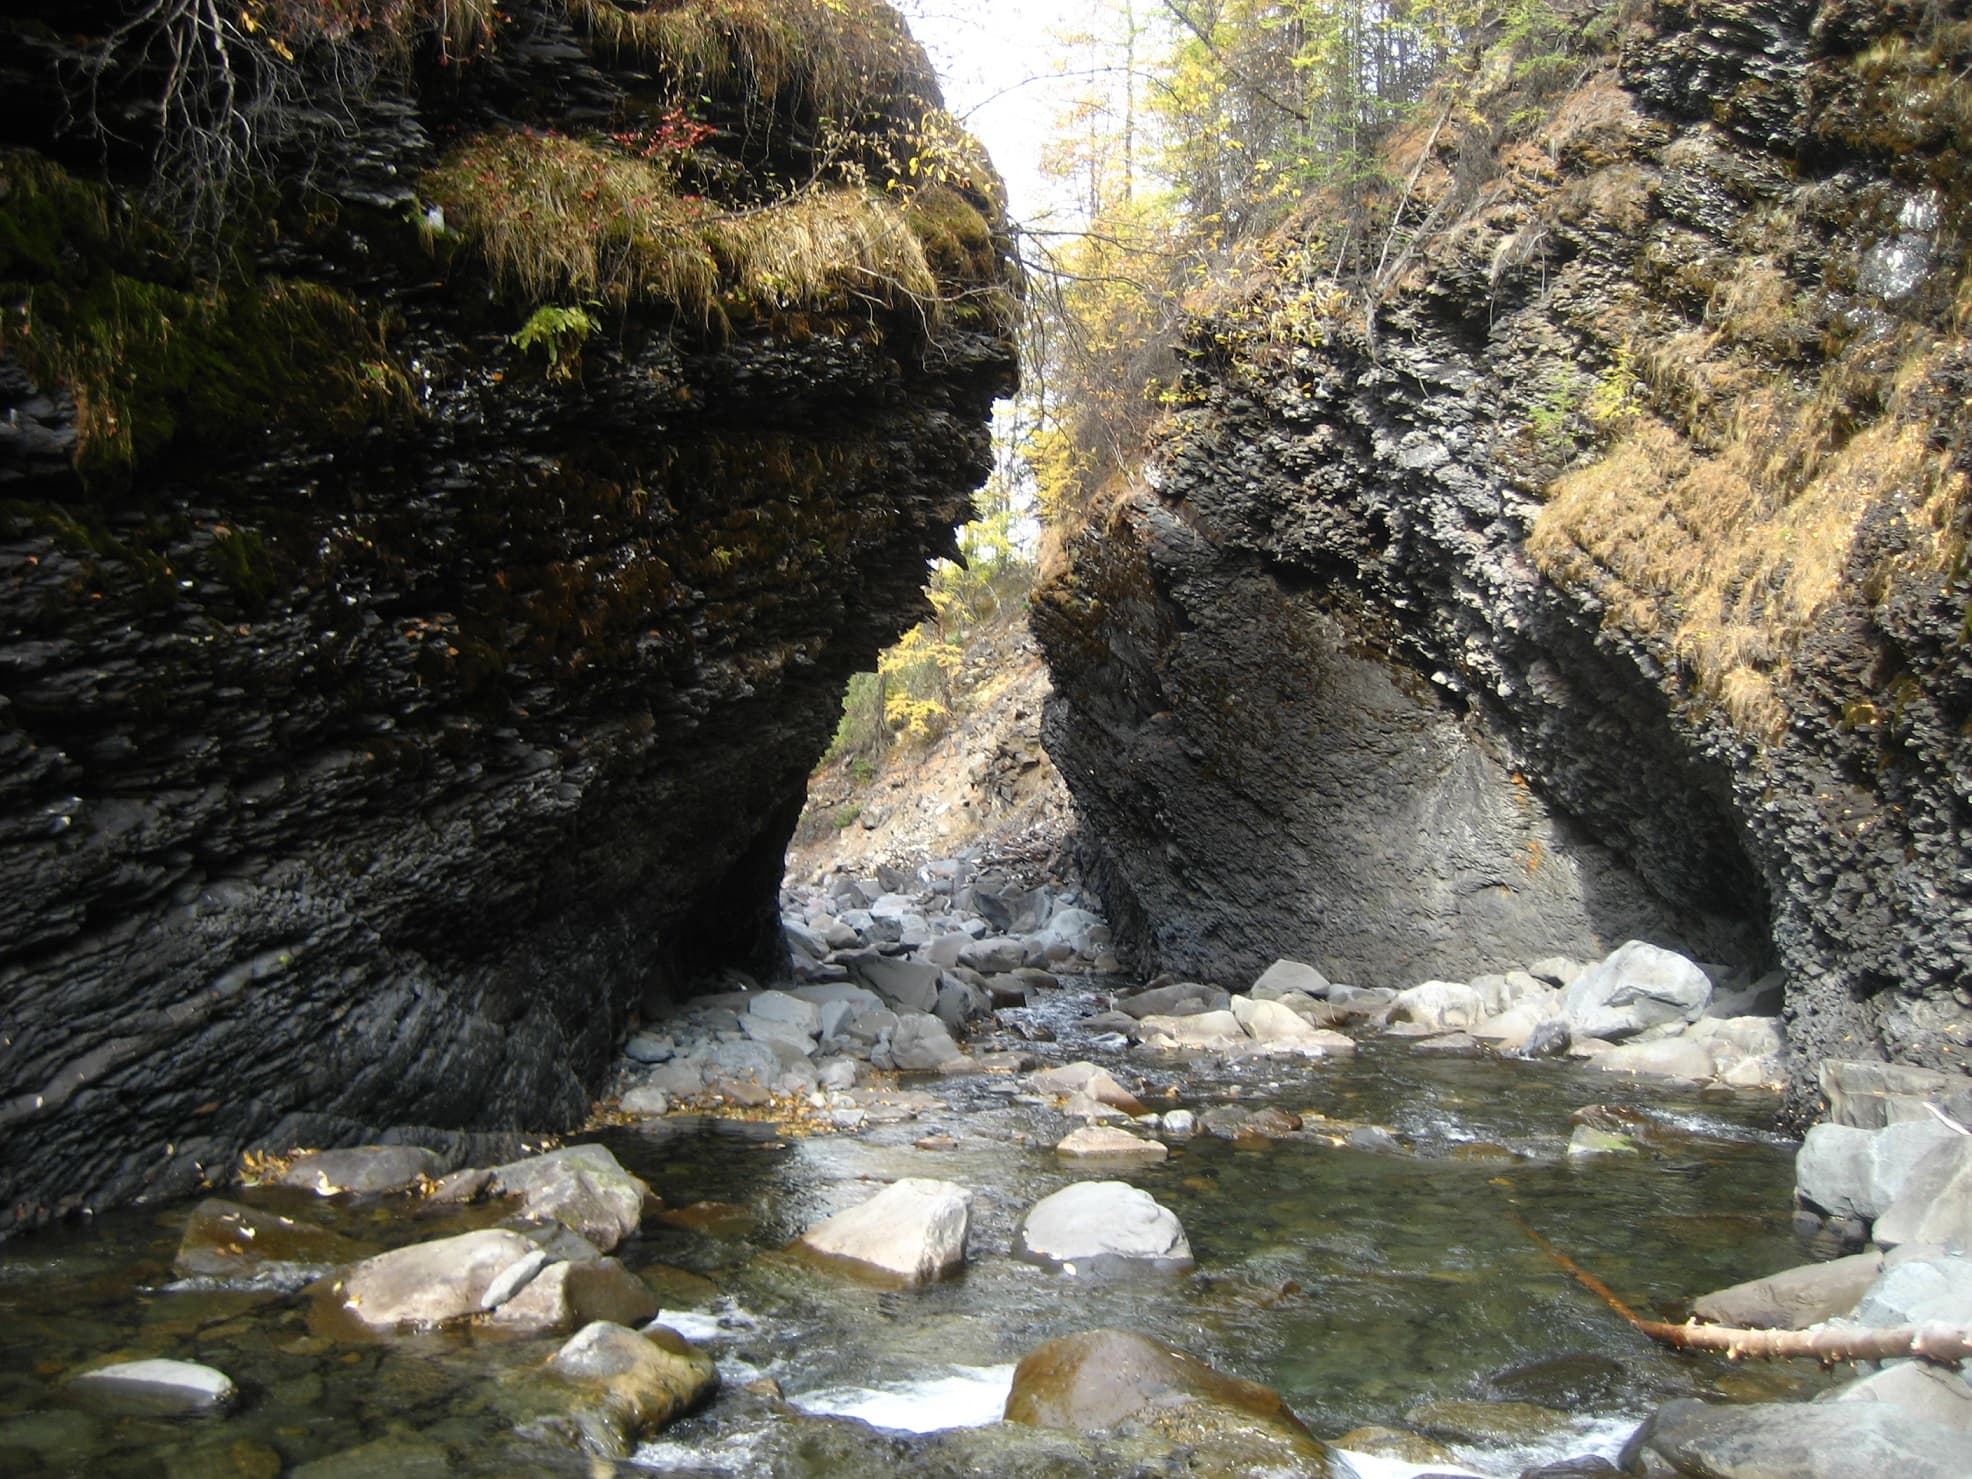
[{"x": 997, "y": 61}]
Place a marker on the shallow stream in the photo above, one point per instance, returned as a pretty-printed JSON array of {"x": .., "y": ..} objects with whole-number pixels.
[{"x": 1361, "y": 1283}]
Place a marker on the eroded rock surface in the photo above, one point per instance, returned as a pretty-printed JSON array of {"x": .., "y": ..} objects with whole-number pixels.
[
  {"x": 397, "y": 686},
  {"x": 1524, "y": 597}
]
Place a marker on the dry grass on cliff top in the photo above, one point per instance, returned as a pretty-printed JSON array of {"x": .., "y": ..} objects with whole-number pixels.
[
  {"x": 1745, "y": 453},
  {"x": 841, "y": 57},
  {"x": 556, "y": 217},
  {"x": 1725, "y": 550}
]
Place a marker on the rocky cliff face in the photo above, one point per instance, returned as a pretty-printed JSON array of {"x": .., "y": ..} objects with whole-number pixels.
[
  {"x": 1588, "y": 564},
  {"x": 430, "y": 559}
]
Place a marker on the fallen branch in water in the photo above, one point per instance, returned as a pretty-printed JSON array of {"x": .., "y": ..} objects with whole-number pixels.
[{"x": 1934, "y": 1342}]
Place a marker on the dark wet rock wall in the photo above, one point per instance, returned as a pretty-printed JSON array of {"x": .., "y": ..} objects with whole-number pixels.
[
  {"x": 1594, "y": 571},
  {"x": 366, "y": 775}
]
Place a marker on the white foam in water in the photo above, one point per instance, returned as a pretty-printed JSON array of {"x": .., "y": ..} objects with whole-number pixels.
[
  {"x": 1369, "y": 1466},
  {"x": 966, "y": 1397},
  {"x": 1602, "y": 1436},
  {"x": 704, "y": 1325}
]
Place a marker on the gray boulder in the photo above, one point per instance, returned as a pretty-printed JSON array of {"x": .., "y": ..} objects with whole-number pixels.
[
  {"x": 993, "y": 956},
  {"x": 1288, "y": 975},
  {"x": 1832, "y": 1171},
  {"x": 913, "y": 1230},
  {"x": 1794, "y": 1298},
  {"x": 1103, "y": 1226},
  {"x": 1439, "y": 1006},
  {"x": 1184, "y": 999},
  {"x": 678, "y": 1079},
  {"x": 645, "y": 1100},
  {"x": 907, "y": 985},
  {"x": 1868, "y": 1096},
  {"x": 743, "y": 1061},
  {"x": 363, "y": 1168},
  {"x": 427, "y": 1283},
  {"x": 803, "y": 938},
  {"x": 1920, "y": 1287},
  {"x": 649, "y": 1047},
  {"x": 784, "y": 1006},
  {"x": 773, "y": 1031},
  {"x": 161, "y": 1387},
  {"x": 1637, "y": 985},
  {"x": 583, "y": 1187},
  {"x": 959, "y": 1001},
  {"x": 1763, "y": 1440},
  {"x": 921, "y": 1043},
  {"x": 1928, "y": 1393},
  {"x": 1934, "y": 1204}
]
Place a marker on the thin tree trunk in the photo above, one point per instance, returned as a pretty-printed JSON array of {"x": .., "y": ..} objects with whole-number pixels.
[{"x": 1934, "y": 1342}]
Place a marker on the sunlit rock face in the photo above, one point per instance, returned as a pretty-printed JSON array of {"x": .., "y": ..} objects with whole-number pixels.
[
  {"x": 1605, "y": 580},
  {"x": 399, "y": 688}
]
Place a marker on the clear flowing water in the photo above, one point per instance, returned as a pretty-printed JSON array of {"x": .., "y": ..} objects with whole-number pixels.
[{"x": 1360, "y": 1283}]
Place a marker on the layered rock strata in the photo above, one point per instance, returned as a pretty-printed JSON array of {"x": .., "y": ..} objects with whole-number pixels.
[
  {"x": 1588, "y": 562},
  {"x": 430, "y": 560}
]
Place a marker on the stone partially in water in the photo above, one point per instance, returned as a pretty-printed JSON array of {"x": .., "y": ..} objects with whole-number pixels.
[
  {"x": 1103, "y": 1225},
  {"x": 1094, "y": 1381},
  {"x": 1395, "y": 1443},
  {"x": 565, "y": 1296},
  {"x": 225, "y": 1240},
  {"x": 1821, "y": 1440},
  {"x": 159, "y": 1387},
  {"x": 370, "y": 1169},
  {"x": 913, "y": 1230},
  {"x": 1794, "y": 1298},
  {"x": 583, "y": 1187},
  {"x": 624, "y": 1385},
  {"x": 1107, "y": 1143},
  {"x": 426, "y": 1283},
  {"x": 1635, "y": 986},
  {"x": 1085, "y": 1077},
  {"x": 1215, "y": 1029},
  {"x": 1492, "y": 1423}
]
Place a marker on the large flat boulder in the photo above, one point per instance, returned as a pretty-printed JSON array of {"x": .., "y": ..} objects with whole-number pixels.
[
  {"x": 1795, "y": 1298},
  {"x": 1868, "y": 1096},
  {"x": 240, "y": 1244},
  {"x": 913, "y": 1231},
  {"x": 427, "y": 1283},
  {"x": 1768, "y": 1440},
  {"x": 372, "y": 1169}
]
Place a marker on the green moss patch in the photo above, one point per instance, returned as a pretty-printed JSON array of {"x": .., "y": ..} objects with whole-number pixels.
[{"x": 93, "y": 299}]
